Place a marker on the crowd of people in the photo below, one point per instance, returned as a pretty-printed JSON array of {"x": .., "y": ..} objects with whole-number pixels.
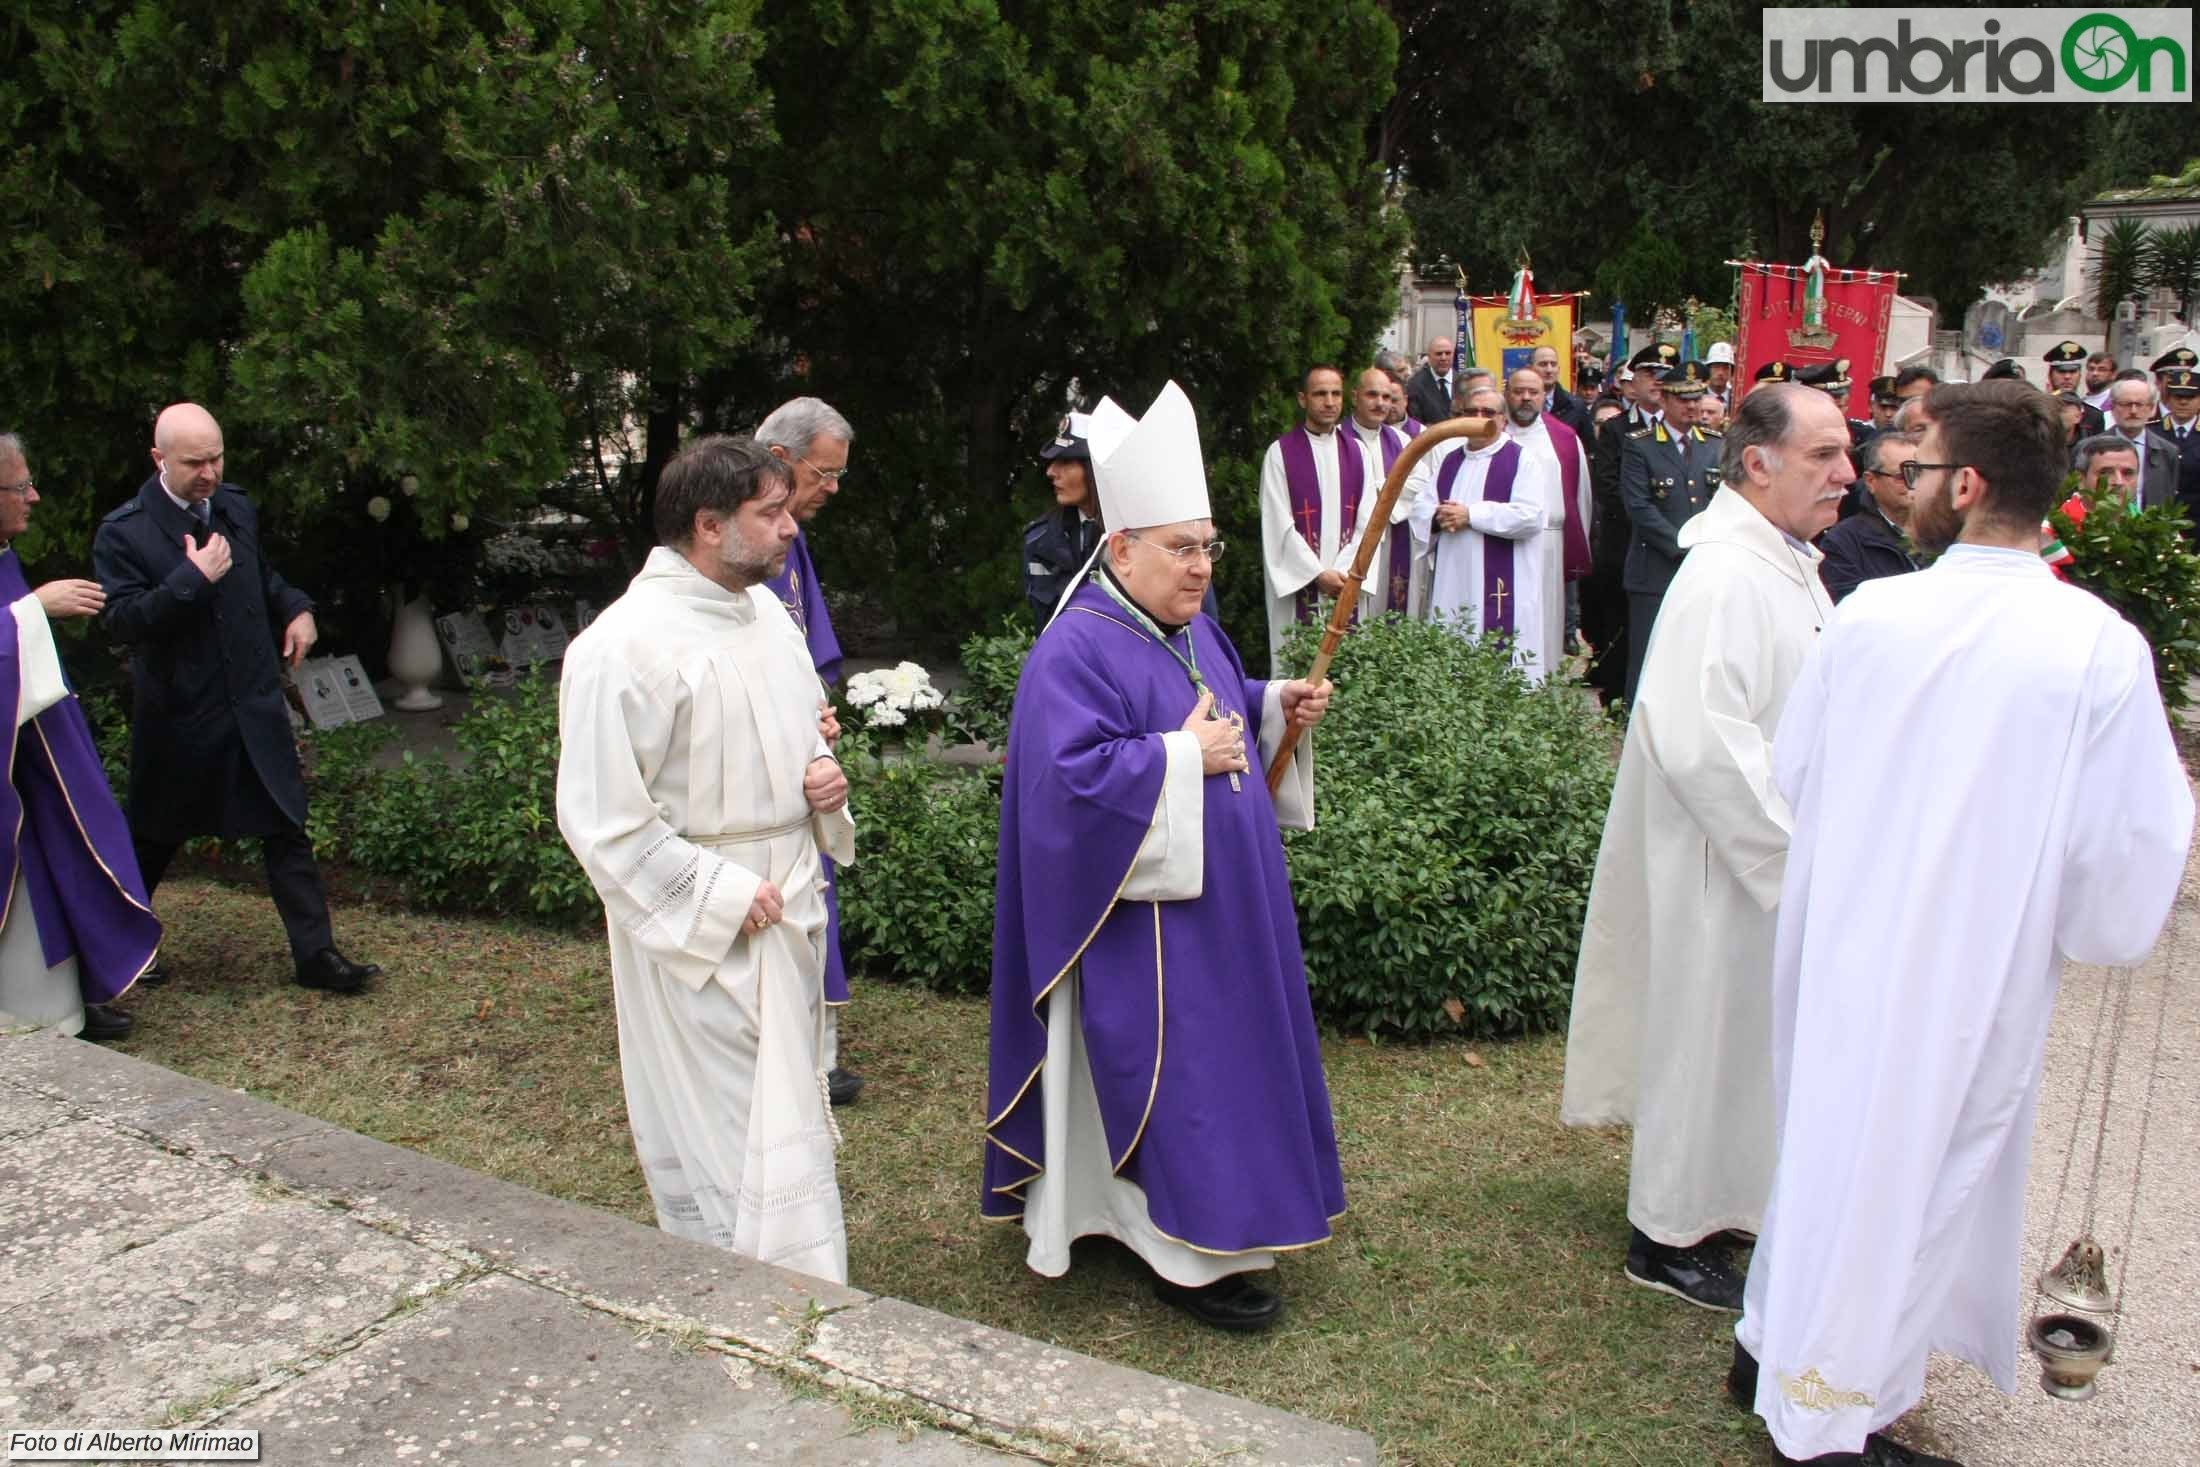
[{"x": 1882, "y": 773}]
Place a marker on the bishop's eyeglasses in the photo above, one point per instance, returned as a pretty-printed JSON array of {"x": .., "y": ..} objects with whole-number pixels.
[{"x": 1212, "y": 550}]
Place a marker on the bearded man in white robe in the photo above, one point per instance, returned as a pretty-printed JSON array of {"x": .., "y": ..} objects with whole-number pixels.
[
  {"x": 2000, "y": 734},
  {"x": 1482, "y": 519},
  {"x": 1562, "y": 549},
  {"x": 696, "y": 789},
  {"x": 1672, "y": 1016}
]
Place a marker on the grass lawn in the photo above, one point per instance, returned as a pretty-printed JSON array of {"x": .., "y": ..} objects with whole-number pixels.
[{"x": 1470, "y": 1310}]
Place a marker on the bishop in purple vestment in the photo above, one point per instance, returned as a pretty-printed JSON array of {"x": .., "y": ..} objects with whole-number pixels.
[
  {"x": 813, "y": 439},
  {"x": 1155, "y": 1071}
]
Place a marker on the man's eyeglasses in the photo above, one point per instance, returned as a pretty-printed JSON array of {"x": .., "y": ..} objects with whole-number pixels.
[
  {"x": 1915, "y": 467},
  {"x": 1212, "y": 550},
  {"x": 23, "y": 488},
  {"x": 830, "y": 476}
]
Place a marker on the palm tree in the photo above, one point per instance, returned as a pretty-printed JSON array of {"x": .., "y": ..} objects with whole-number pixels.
[
  {"x": 2175, "y": 267},
  {"x": 2122, "y": 268}
]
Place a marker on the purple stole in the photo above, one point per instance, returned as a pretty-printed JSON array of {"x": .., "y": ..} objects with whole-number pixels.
[
  {"x": 1412, "y": 427},
  {"x": 1305, "y": 491},
  {"x": 1567, "y": 443},
  {"x": 797, "y": 589},
  {"x": 1498, "y": 581},
  {"x": 1399, "y": 581},
  {"x": 61, "y": 829}
]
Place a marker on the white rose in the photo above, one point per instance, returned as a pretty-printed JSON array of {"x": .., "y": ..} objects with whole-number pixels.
[
  {"x": 459, "y": 522},
  {"x": 410, "y": 483},
  {"x": 378, "y": 509}
]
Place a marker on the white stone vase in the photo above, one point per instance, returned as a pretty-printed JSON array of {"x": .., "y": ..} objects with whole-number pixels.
[{"x": 415, "y": 656}]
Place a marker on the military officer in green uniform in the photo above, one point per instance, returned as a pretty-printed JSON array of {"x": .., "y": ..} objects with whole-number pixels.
[{"x": 1668, "y": 473}]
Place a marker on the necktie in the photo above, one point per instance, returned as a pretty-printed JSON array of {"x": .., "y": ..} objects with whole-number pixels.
[{"x": 203, "y": 518}]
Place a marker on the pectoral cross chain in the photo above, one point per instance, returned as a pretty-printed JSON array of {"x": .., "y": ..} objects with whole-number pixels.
[{"x": 1237, "y": 721}]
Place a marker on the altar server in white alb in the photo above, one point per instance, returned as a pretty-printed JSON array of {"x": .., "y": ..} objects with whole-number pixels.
[
  {"x": 1984, "y": 785},
  {"x": 695, "y": 788},
  {"x": 1672, "y": 1017}
]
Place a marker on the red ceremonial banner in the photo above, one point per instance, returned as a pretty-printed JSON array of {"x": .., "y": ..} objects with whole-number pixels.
[{"x": 1775, "y": 320}]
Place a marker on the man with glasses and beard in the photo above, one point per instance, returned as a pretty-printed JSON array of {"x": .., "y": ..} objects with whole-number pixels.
[
  {"x": 1155, "y": 1071},
  {"x": 2004, "y": 731}
]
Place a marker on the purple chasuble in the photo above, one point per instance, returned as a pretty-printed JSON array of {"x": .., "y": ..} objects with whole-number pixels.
[
  {"x": 797, "y": 589},
  {"x": 1567, "y": 444},
  {"x": 1499, "y": 584},
  {"x": 1305, "y": 489},
  {"x": 1201, "y": 1036},
  {"x": 62, "y": 830}
]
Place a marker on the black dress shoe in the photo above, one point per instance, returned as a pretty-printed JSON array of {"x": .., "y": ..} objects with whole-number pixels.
[
  {"x": 1235, "y": 1303},
  {"x": 1879, "y": 1451},
  {"x": 156, "y": 975},
  {"x": 103, "y": 1021},
  {"x": 332, "y": 972},
  {"x": 1741, "y": 1379},
  {"x": 1703, "y": 1275},
  {"x": 843, "y": 1086}
]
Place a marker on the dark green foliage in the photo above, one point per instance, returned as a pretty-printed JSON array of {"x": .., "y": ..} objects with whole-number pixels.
[
  {"x": 991, "y": 665},
  {"x": 2142, "y": 564},
  {"x": 1459, "y": 811},
  {"x": 2123, "y": 260},
  {"x": 1649, "y": 114},
  {"x": 481, "y": 835},
  {"x": 918, "y": 903}
]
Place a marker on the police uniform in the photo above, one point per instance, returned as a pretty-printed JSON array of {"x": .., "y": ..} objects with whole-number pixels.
[
  {"x": 1058, "y": 543},
  {"x": 2068, "y": 356},
  {"x": 1604, "y": 598},
  {"x": 2166, "y": 363},
  {"x": 1832, "y": 378},
  {"x": 1666, "y": 479},
  {"x": 2184, "y": 382}
]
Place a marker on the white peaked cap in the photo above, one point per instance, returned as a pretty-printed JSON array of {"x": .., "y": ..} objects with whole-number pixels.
[{"x": 1148, "y": 470}]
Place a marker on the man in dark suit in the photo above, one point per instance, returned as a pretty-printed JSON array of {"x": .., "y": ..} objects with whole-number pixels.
[
  {"x": 1558, "y": 402},
  {"x": 1429, "y": 391},
  {"x": 2131, "y": 405},
  {"x": 211, "y": 748},
  {"x": 1875, "y": 542}
]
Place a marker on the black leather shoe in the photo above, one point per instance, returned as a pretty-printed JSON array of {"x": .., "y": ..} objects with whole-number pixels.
[
  {"x": 1879, "y": 1451},
  {"x": 103, "y": 1021},
  {"x": 843, "y": 1086},
  {"x": 1235, "y": 1303},
  {"x": 1741, "y": 1379},
  {"x": 156, "y": 975},
  {"x": 332, "y": 972},
  {"x": 1703, "y": 1275}
]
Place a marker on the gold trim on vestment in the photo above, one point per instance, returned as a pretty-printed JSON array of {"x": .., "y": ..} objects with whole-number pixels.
[
  {"x": 89, "y": 845},
  {"x": 1810, "y": 1391},
  {"x": 1015, "y": 1188},
  {"x": 1160, "y": 1026}
]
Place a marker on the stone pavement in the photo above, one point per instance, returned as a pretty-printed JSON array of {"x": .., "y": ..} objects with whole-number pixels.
[
  {"x": 175, "y": 1254},
  {"x": 2147, "y": 1411}
]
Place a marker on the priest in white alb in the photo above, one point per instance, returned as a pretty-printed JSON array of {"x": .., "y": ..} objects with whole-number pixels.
[
  {"x": 696, "y": 789},
  {"x": 1484, "y": 520},
  {"x": 1672, "y": 1017},
  {"x": 1984, "y": 785},
  {"x": 1313, "y": 485}
]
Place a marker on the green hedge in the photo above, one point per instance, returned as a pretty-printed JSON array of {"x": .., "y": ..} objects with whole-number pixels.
[
  {"x": 1457, "y": 817},
  {"x": 1442, "y": 890},
  {"x": 2141, "y": 563}
]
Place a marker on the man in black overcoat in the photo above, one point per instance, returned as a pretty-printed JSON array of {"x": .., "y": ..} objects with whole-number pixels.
[{"x": 211, "y": 749}]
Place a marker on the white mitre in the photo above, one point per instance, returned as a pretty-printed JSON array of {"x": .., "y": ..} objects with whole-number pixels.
[{"x": 1148, "y": 470}]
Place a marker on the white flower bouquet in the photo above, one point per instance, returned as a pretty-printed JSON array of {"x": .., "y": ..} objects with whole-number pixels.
[{"x": 888, "y": 696}]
